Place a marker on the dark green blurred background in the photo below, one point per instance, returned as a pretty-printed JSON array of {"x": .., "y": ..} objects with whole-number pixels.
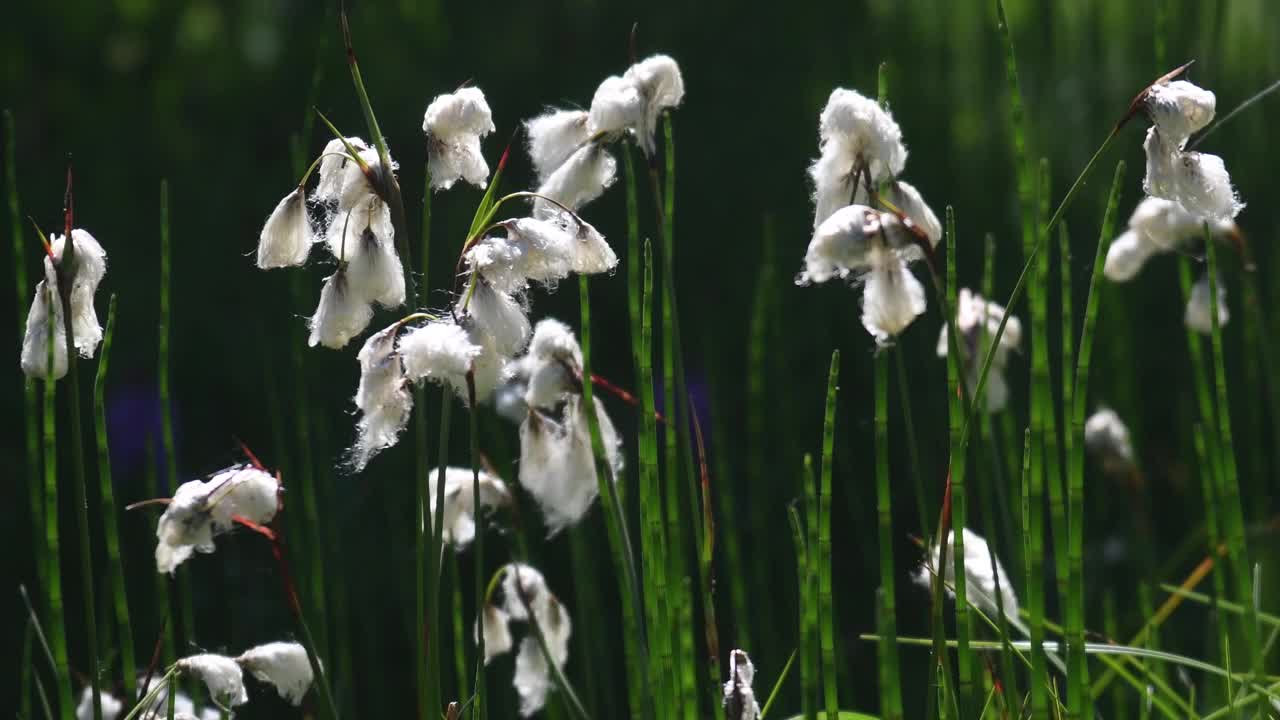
[{"x": 208, "y": 94}]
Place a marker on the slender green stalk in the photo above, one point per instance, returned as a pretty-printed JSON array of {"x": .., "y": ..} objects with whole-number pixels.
[
  {"x": 53, "y": 589},
  {"x": 808, "y": 658},
  {"x": 1078, "y": 689},
  {"x": 812, "y": 513},
  {"x": 1043, "y": 386},
  {"x": 30, "y": 405},
  {"x": 966, "y": 662},
  {"x": 115, "y": 578},
  {"x": 913, "y": 446},
  {"x": 615, "y": 519},
  {"x": 481, "y": 710},
  {"x": 459, "y": 631},
  {"x": 777, "y": 685},
  {"x": 586, "y": 584},
  {"x": 762, "y": 635},
  {"x": 428, "y": 658},
  {"x": 890, "y": 682},
  {"x": 434, "y": 554},
  {"x": 651, "y": 511},
  {"x": 634, "y": 268},
  {"x": 557, "y": 674},
  {"x": 1068, "y": 377},
  {"x": 1212, "y": 502},
  {"x": 1230, "y": 483},
  {"x": 825, "y": 560}
]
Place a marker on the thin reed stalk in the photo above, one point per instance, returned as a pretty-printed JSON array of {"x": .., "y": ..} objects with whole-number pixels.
[
  {"x": 52, "y": 544},
  {"x": 763, "y": 635},
  {"x": 890, "y": 680},
  {"x": 30, "y": 404},
  {"x": 966, "y": 662},
  {"x": 434, "y": 553},
  {"x": 481, "y": 710},
  {"x": 428, "y": 658},
  {"x": 1230, "y": 482},
  {"x": 1044, "y": 386},
  {"x": 825, "y": 559},
  {"x": 1078, "y": 687},
  {"x": 913, "y": 445},
  {"x": 615, "y": 518},
  {"x": 115, "y": 577},
  {"x": 806, "y": 624}
]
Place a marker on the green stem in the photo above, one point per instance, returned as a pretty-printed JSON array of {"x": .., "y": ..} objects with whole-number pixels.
[
  {"x": 30, "y": 405},
  {"x": 433, "y": 562},
  {"x": 615, "y": 518},
  {"x": 57, "y": 622},
  {"x": 428, "y": 658},
  {"x": 890, "y": 683},
  {"x": 1230, "y": 484},
  {"x": 1078, "y": 690},
  {"x": 481, "y": 701},
  {"x": 825, "y": 560},
  {"x": 966, "y": 663},
  {"x": 808, "y": 664},
  {"x": 115, "y": 579}
]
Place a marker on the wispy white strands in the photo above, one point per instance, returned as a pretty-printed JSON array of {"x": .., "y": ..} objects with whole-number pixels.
[
  {"x": 739, "y": 697},
  {"x": 45, "y": 317},
  {"x": 907, "y": 199},
  {"x": 286, "y": 238},
  {"x": 220, "y": 674},
  {"x": 874, "y": 248},
  {"x": 341, "y": 315},
  {"x": 501, "y": 319},
  {"x": 980, "y": 577},
  {"x": 183, "y": 706},
  {"x": 854, "y": 131},
  {"x": 1198, "y": 315},
  {"x": 201, "y": 509},
  {"x": 282, "y": 664},
  {"x": 1179, "y": 108},
  {"x": 1198, "y": 181},
  {"x": 1157, "y": 226},
  {"x": 557, "y": 465},
  {"x": 544, "y": 251},
  {"x": 358, "y": 186},
  {"x": 383, "y": 397},
  {"x": 978, "y": 319},
  {"x": 524, "y": 589},
  {"x": 111, "y": 705},
  {"x": 553, "y": 137},
  {"x": 364, "y": 243},
  {"x": 440, "y": 351},
  {"x": 1107, "y": 437},
  {"x": 616, "y": 108},
  {"x": 583, "y": 177},
  {"x": 459, "y": 502},
  {"x": 454, "y": 124},
  {"x": 333, "y": 165},
  {"x": 891, "y": 296},
  {"x": 661, "y": 87}
]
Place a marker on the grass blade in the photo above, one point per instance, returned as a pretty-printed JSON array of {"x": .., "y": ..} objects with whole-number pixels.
[{"x": 890, "y": 683}]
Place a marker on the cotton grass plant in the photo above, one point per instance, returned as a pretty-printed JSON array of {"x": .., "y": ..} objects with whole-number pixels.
[{"x": 562, "y": 455}]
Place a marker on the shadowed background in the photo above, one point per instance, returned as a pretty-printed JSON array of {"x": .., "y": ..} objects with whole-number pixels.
[{"x": 208, "y": 95}]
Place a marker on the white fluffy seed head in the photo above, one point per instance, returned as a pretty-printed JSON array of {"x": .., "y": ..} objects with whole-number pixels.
[
  {"x": 582, "y": 177},
  {"x": 910, "y": 202},
  {"x": 282, "y": 664},
  {"x": 493, "y": 623},
  {"x": 454, "y": 124},
  {"x": 524, "y": 589},
  {"x": 441, "y": 352},
  {"x": 382, "y": 397},
  {"x": 616, "y": 108},
  {"x": 553, "y": 137},
  {"x": 501, "y": 319},
  {"x": 242, "y": 491},
  {"x": 978, "y": 319},
  {"x": 857, "y": 127},
  {"x": 460, "y": 504},
  {"x": 840, "y": 245},
  {"x": 44, "y": 320},
  {"x": 363, "y": 238},
  {"x": 739, "y": 697},
  {"x": 555, "y": 365},
  {"x": 201, "y": 509},
  {"x": 358, "y": 187},
  {"x": 661, "y": 87},
  {"x": 341, "y": 315},
  {"x": 1157, "y": 226},
  {"x": 1199, "y": 314},
  {"x": 1126, "y": 256},
  {"x": 1197, "y": 181},
  {"x": 833, "y": 182},
  {"x": 333, "y": 166},
  {"x": 111, "y": 705},
  {"x": 1107, "y": 437},
  {"x": 980, "y": 575},
  {"x": 89, "y": 266},
  {"x": 1179, "y": 109},
  {"x": 891, "y": 297},
  {"x": 220, "y": 674},
  {"x": 286, "y": 237},
  {"x": 557, "y": 466}
]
